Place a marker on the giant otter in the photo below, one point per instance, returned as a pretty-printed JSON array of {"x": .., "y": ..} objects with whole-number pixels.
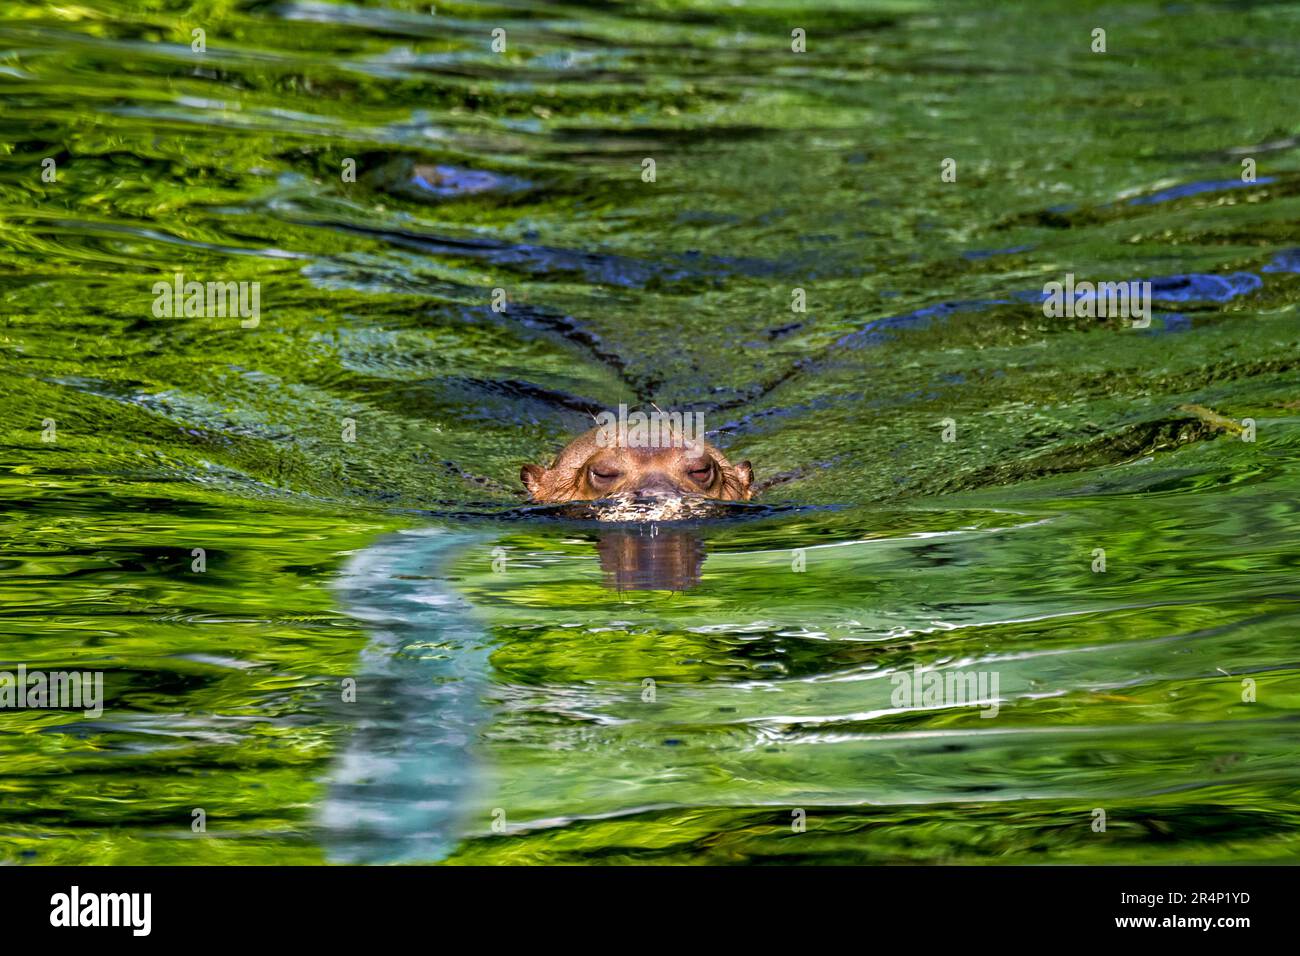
[{"x": 607, "y": 463}]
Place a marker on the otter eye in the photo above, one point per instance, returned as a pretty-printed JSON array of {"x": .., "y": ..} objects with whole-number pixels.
[
  {"x": 604, "y": 473},
  {"x": 702, "y": 472}
]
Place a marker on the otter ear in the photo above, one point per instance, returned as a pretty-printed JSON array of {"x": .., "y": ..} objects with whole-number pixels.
[
  {"x": 745, "y": 472},
  {"x": 531, "y": 476}
]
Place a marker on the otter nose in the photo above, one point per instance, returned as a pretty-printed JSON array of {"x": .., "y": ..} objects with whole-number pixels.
[{"x": 657, "y": 485}]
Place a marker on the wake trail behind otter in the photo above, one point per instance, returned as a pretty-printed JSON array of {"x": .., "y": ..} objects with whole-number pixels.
[{"x": 396, "y": 791}]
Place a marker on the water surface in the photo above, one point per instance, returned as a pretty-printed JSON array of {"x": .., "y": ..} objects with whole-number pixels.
[{"x": 502, "y": 662}]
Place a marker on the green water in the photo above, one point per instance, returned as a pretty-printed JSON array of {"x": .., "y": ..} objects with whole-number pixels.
[{"x": 501, "y": 672}]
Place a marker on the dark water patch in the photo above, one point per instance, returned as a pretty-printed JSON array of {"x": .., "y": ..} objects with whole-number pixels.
[
  {"x": 1195, "y": 189},
  {"x": 692, "y": 270},
  {"x": 992, "y": 253},
  {"x": 501, "y": 401},
  {"x": 446, "y": 182},
  {"x": 1286, "y": 261},
  {"x": 875, "y": 332},
  {"x": 1205, "y": 288},
  {"x": 1077, "y": 216},
  {"x": 1131, "y": 443},
  {"x": 1189, "y": 288},
  {"x": 571, "y": 330}
]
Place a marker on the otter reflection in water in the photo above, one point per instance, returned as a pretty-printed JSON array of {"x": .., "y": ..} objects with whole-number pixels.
[{"x": 650, "y": 558}]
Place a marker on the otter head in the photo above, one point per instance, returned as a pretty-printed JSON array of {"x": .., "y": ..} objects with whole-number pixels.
[{"x": 593, "y": 466}]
